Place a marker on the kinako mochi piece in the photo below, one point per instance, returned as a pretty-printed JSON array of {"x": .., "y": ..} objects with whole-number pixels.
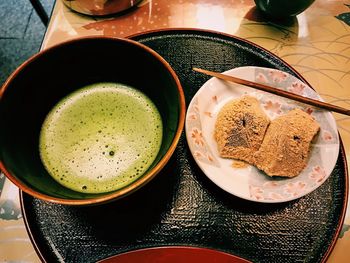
[
  {"x": 285, "y": 149},
  {"x": 240, "y": 128}
]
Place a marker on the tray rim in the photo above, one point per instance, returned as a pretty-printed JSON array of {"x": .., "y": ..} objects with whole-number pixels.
[{"x": 156, "y": 32}]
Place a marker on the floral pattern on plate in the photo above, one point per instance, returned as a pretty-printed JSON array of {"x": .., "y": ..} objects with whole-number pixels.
[
  {"x": 246, "y": 181},
  {"x": 201, "y": 151}
]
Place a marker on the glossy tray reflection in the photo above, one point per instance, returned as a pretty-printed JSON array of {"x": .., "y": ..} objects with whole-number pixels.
[{"x": 181, "y": 206}]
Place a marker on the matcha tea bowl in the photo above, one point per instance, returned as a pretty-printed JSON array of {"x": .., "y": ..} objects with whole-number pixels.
[{"x": 89, "y": 121}]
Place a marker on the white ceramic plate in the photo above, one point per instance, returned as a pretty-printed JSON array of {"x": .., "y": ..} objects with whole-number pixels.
[{"x": 248, "y": 182}]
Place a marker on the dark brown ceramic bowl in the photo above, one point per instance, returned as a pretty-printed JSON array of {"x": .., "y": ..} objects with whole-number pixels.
[
  {"x": 282, "y": 9},
  {"x": 39, "y": 83}
]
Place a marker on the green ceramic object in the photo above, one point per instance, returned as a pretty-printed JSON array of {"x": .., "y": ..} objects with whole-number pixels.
[
  {"x": 42, "y": 81},
  {"x": 282, "y": 8}
]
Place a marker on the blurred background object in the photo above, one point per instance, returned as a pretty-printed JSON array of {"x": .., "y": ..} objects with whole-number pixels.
[
  {"x": 281, "y": 9},
  {"x": 100, "y": 7}
]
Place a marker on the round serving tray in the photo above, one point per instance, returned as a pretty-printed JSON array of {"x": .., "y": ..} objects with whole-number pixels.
[{"x": 181, "y": 206}]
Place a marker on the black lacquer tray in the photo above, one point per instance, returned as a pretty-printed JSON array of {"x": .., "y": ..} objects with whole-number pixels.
[{"x": 181, "y": 206}]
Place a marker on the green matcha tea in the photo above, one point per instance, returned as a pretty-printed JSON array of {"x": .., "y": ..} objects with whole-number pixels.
[{"x": 100, "y": 138}]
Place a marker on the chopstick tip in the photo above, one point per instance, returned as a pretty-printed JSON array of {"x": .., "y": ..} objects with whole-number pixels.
[{"x": 199, "y": 70}]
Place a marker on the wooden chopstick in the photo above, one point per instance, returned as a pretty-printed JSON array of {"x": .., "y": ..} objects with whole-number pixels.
[{"x": 282, "y": 93}]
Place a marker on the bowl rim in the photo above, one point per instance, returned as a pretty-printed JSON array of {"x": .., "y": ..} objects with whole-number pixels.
[{"x": 144, "y": 179}]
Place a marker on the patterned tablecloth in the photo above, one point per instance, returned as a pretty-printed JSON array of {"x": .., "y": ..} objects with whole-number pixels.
[{"x": 316, "y": 43}]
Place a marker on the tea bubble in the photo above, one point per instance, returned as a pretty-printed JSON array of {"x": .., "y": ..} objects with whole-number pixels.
[{"x": 98, "y": 136}]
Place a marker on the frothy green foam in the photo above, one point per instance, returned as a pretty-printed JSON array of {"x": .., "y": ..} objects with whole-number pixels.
[{"x": 100, "y": 138}]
